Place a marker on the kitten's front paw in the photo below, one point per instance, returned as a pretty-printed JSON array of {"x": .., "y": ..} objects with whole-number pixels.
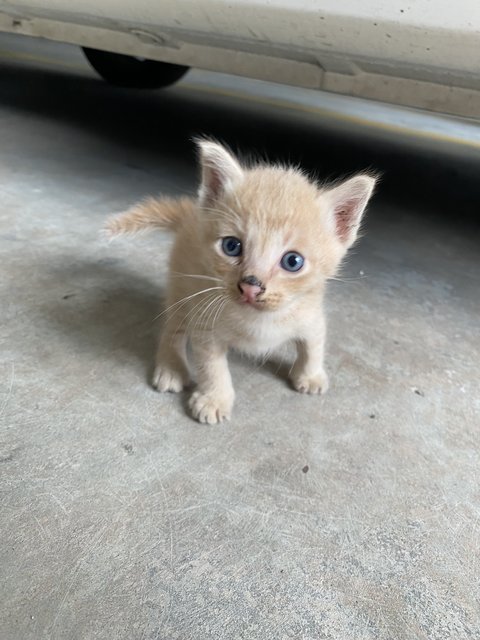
[
  {"x": 310, "y": 384},
  {"x": 166, "y": 379},
  {"x": 209, "y": 408}
]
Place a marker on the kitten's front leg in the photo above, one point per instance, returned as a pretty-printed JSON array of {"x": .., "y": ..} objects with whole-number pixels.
[
  {"x": 171, "y": 372},
  {"x": 308, "y": 374},
  {"x": 212, "y": 401}
]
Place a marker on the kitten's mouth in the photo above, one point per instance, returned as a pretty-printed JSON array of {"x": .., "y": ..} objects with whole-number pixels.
[{"x": 255, "y": 304}]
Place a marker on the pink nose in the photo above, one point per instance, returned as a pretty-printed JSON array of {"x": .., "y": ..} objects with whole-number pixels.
[{"x": 250, "y": 292}]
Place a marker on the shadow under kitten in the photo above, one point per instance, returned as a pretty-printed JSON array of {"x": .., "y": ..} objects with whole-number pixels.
[{"x": 107, "y": 309}]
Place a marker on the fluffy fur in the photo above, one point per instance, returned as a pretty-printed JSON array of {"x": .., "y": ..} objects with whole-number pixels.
[{"x": 211, "y": 299}]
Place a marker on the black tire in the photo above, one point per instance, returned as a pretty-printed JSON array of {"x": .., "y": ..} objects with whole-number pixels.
[{"x": 135, "y": 73}]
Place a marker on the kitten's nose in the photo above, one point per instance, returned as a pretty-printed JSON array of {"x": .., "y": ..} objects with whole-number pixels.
[{"x": 251, "y": 288}]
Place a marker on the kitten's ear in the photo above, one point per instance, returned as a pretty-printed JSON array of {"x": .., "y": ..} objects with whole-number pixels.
[
  {"x": 348, "y": 202},
  {"x": 220, "y": 171}
]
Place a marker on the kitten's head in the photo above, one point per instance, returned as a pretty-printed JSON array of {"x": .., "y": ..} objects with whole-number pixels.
[{"x": 271, "y": 234}]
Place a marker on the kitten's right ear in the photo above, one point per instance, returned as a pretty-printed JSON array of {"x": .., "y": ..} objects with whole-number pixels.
[{"x": 220, "y": 171}]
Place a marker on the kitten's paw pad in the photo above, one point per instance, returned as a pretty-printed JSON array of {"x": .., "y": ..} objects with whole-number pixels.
[
  {"x": 209, "y": 409},
  {"x": 165, "y": 379},
  {"x": 311, "y": 384}
]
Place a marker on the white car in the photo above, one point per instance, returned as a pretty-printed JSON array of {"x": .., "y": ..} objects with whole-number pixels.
[{"x": 421, "y": 53}]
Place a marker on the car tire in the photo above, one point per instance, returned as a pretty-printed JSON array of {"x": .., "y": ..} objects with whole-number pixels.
[{"x": 135, "y": 73}]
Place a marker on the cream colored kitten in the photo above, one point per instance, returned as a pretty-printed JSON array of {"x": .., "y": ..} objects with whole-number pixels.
[{"x": 247, "y": 271}]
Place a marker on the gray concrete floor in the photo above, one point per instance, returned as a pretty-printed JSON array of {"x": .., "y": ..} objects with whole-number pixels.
[{"x": 354, "y": 516}]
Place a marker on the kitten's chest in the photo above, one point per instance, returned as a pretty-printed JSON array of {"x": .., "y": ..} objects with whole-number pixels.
[{"x": 260, "y": 335}]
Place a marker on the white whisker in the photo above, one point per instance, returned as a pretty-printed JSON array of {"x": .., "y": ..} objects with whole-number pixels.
[
  {"x": 220, "y": 308},
  {"x": 184, "y": 301},
  {"x": 205, "y": 315},
  {"x": 353, "y": 279},
  {"x": 197, "y": 313},
  {"x": 192, "y": 315},
  {"x": 210, "y": 319},
  {"x": 195, "y": 275}
]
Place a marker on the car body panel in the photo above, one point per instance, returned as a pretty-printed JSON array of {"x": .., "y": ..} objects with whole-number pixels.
[{"x": 422, "y": 54}]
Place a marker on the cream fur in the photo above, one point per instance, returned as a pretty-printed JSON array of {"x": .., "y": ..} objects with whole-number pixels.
[{"x": 272, "y": 210}]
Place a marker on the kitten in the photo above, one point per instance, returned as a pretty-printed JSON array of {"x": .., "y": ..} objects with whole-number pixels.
[{"x": 248, "y": 270}]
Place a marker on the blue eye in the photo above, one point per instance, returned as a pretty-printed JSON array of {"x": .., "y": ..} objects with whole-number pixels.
[
  {"x": 231, "y": 246},
  {"x": 292, "y": 261}
]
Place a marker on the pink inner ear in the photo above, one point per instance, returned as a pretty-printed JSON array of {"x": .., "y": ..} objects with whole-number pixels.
[
  {"x": 213, "y": 182},
  {"x": 220, "y": 171},
  {"x": 348, "y": 202},
  {"x": 346, "y": 218}
]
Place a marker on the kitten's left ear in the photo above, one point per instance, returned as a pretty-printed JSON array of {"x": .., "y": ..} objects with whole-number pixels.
[
  {"x": 348, "y": 202},
  {"x": 220, "y": 171}
]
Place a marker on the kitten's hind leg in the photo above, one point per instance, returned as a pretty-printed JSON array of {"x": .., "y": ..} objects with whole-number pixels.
[{"x": 171, "y": 371}]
